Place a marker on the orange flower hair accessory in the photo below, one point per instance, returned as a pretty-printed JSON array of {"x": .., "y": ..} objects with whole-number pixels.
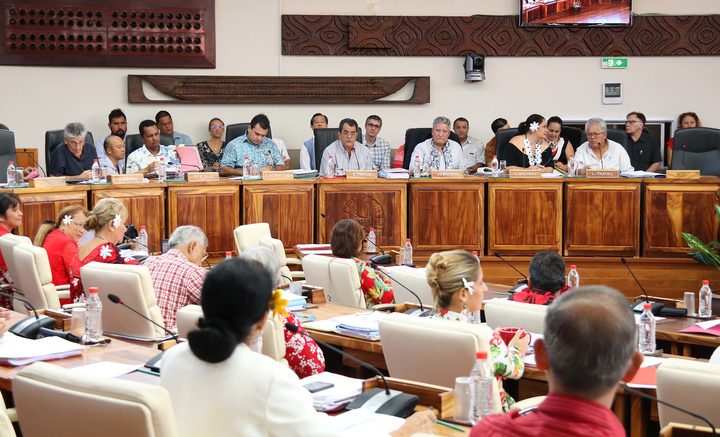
[{"x": 278, "y": 304}]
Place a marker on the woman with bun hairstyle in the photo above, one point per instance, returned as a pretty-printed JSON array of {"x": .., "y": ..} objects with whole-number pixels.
[
  {"x": 60, "y": 240},
  {"x": 458, "y": 289},
  {"x": 219, "y": 386},
  {"x": 530, "y": 149}
]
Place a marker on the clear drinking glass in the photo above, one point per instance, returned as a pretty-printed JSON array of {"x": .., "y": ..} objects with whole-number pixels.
[
  {"x": 461, "y": 413},
  {"x": 502, "y": 167},
  {"x": 20, "y": 178},
  {"x": 103, "y": 173},
  {"x": 571, "y": 166}
]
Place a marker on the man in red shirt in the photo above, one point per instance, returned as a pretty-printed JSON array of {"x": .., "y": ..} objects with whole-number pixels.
[{"x": 588, "y": 348}]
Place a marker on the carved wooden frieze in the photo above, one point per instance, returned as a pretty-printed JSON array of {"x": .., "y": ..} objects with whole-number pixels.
[
  {"x": 278, "y": 89},
  {"x": 333, "y": 35}
]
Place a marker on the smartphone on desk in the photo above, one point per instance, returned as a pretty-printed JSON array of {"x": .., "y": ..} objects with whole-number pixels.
[{"x": 317, "y": 386}]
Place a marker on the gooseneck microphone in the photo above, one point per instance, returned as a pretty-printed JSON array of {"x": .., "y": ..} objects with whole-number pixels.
[
  {"x": 29, "y": 326},
  {"x": 624, "y": 261},
  {"x": 384, "y": 270},
  {"x": 657, "y": 309},
  {"x": 511, "y": 266},
  {"x": 114, "y": 299},
  {"x": 32, "y": 158},
  {"x": 379, "y": 259}
]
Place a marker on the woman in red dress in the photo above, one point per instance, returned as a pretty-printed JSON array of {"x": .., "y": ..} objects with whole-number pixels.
[
  {"x": 10, "y": 218},
  {"x": 60, "y": 241}
]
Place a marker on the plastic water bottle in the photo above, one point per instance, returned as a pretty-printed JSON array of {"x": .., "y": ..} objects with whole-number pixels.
[
  {"x": 330, "y": 170},
  {"x": 371, "y": 247},
  {"x": 646, "y": 339},
  {"x": 573, "y": 278},
  {"x": 495, "y": 166},
  {"x": 417, "y": 170},
  {"x": 408, "y": 253},
  {"x": 162, "y": 171},
  {"x": 246, "y": 167},
  {"x": 11, "y": 175},
  {"x": 228, "y": 255},
  {"x": 93, "y": 328},
  {"x": 481, "y": 384},
  {"x": 95, "y": 172},
  {"x": 705, "y": 298},
  {"x": 142, "y": 239}
]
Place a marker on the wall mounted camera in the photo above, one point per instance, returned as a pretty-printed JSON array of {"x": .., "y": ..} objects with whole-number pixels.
[{"x": 474, "y": 67}]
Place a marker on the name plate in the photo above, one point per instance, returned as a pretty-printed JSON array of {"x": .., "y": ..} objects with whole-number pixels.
[
  {"x": 57, "y": 181},
  {"x": 361, "y": 174},
  {"x": 525, "y": 173},
  {"x": 285, "y": 175},
  {"x": 682, "y": 174},
  {"x": 125, "y": 179},
  {"x": 202, "y": 176},
  {"x": 446, "y": 174},
  {"x": 602, "y": 173}
]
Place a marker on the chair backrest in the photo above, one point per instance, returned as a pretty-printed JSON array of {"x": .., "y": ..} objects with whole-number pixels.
[
  {"x": 502, "y": 139},
  {"x": 572, "y": 134},
  {"x": 715, "y": 357},
  {"x": 326, "y": 136},
  {"x": 235, "y": 130},
  {"x": 417, "y": 135},
  {"x": 133, "y": 285},
  {"x": 247, "y": 236},
  {"x": 692, "y": 385},
  {"x": 410, "y": 346},
  {"x": 34, "y": 277},
  {"x": 415, "y": 280},
  {"x": 338, "y": 276},
  {"x": 7, "y": 151},
  {"x": 697, "y": 149},
  {"x": 52, "y": 400},
  {"x": 279, "y": 250},
  {"x": 7, "y": 242},
  {"x": 167, "y": 140},
  {"x": 132, "y": 143},
  {"x": 54, "y": 138},
  {"x": 508, "y": 314}
]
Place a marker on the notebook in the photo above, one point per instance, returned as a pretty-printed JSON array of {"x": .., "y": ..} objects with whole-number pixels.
[{"x": 189, "y": 158}]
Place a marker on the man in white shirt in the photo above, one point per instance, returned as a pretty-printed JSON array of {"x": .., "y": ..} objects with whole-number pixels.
[
  {"x": 146, "y": 158},
  {"x": 439, "y": 152},
  {"x": 347, "y": 153},
  {"x": 600, "y": 152},
  {"x": 307, "y": 151},
  {"x": 379, "y": 147},
  {"x": 473, "y": 149},
  {"x": 283, "y": 151}
]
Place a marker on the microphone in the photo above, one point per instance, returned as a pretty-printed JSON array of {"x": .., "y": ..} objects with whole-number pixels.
[
  {"x": 512, "y": 267},
  {"x": 288, "y": 278},
  {"x": 390, "y": 402},
  {"x": 114, "y": 299},
  {"x": 382, "y": 269},
  {"x": 32, "y": 158},
  {"x": 674, "y": 407},
  {"x": 29, "y": 326},
  {"x": 379, "y": 259},
  {"x": 638, "y": 308},
  {"x": 44, "y": 332}
]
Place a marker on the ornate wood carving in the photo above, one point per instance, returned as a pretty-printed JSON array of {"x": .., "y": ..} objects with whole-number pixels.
[
  {"x": 280, "y": 89},
  {"x": 148, "y": 33},
  {"x": 313, "y": 35}
]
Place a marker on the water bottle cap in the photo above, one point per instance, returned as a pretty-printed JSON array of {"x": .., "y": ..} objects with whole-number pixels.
[
  {"x": 573, "y": 266},
  {"x": 95, "y": 160},
  {"x": 93, "y": 290},
  {"x": 142, "y": 227},
  {"x": 647, "y": 306},
  {"x": 11, "y": 163},
  {"x": 494, "y": 156},
  {"x": 475, "y": 252},
  {"x": 481, "y": 355},
  {"x": 706, "y": 282},
  {"x": 227, "y": 254},
  {"x": 407, "y": 240},
  {"x": 372, "y": 229}
]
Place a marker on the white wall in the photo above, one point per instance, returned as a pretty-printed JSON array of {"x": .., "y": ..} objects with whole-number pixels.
[{"x": 36, "y": 99}]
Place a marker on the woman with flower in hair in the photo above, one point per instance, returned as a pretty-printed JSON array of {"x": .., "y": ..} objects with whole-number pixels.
[
  {"x": 458, "y": 289},
  {"x": 60, "y": 240},
  {"x": 530, "y": 149}
]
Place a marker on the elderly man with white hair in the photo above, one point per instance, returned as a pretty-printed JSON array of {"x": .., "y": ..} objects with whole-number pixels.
[
  {"x": 73, "y": 158},
  {"x": 599, "y": 152},
  {"x": 177, "y": 275},
  {"x": 439, "y": 152}
]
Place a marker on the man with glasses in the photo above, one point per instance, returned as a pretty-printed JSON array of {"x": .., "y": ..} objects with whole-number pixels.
[
  {"x": 439, "y": 152},
  {"x": 346, "y": 151},
  {"x": 177, "y": 275},
  {"x": 73, "y": 158},
  {"x": 644, "y": 150},
  {"x": 600, "y": 152},
  {"x": 260, "y": 150},
  {"x": 379, "y": 147}
]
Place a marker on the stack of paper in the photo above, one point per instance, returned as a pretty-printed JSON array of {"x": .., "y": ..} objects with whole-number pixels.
[
  {"x": 394, "y": 173},
  {"x": 295, "y": 302},
  {"x": 343, "y": 391},
  {"x": 711, "y": 327},
  {"x": 362, "y": 422},
  {"x": 361, "y": 325},
  {"x": 641, "y": 174},
  {"x": 18, "y": 351},
  {"x": 314, "y": 249}
]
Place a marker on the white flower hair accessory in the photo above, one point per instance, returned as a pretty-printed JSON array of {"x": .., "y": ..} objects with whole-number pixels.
[
  {"x": 534, "y": 126},
  {"x": 469, "y": 285},
  {"x": 116, "y": 221},
  {"x": 66, "y": 220}
]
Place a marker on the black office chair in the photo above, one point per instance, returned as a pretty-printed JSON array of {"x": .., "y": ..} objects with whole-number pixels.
[
  {"x": 54, "y": 138},
  {"x": 132, "y": 143},
  {"x": 415, "y": 136},
  {"x": 325, "y": 137},
  {"x": 167, "y": 140},
  {"x": 7, "y": 152},
  {"x": 235, "y": 130},
  {"x": 697, "y": 148},
  {"x": 502, "y": 140},
  {"x": 572, "y": 134},
  {"x": 617, "y": 135}
]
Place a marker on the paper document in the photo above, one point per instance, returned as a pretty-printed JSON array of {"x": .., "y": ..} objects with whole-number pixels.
[
  {"x": 106, "y": 369},
  {"x": 343, "y": 391},
  {"x": 363, "y": 423},
  {"x": 641, "y": 174},
  {"x": 18, "y": 351}
]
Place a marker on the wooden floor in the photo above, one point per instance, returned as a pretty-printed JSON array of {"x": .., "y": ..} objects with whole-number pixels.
[{"x": 608, "y": 14}]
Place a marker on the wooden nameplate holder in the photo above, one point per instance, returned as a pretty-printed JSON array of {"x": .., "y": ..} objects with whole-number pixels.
[
  {"x": 315, "y": 295},
  {"x": 446, "y": 174},
  {"x": 56, "y": 181},
  {"x": 125, "y": 179},
  {"x": 62, "y": 319},
  {"x": 361, "y": 174},
  {"x": 525, "y": 173},
  {"x": 271, "y": 175},
  {"x": 682, "y": 174},
  {"x": 442, "y": 399},
  {"x": 202, "y": 176},
  {"x": 602, "y": 173}
]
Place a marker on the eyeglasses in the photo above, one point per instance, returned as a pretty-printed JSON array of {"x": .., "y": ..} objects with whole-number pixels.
[
  {"x": 595, "y": 134},
  {"x": 373, "y": 125},
  {"x": 205, "y": 257},
  {"x": 217, "y": 127}
]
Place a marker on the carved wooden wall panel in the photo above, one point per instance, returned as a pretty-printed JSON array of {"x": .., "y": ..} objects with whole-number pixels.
[
  {"x": 313, "y": 35},
  {"x": 148, "y": 33}
]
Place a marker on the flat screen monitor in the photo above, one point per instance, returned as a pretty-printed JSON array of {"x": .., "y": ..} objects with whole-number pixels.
[{"x": 541, "y": 13}]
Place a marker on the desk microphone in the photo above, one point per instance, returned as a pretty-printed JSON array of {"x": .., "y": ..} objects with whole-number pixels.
[
  {"x": 379, "y": 259},
  {"x": 114, "y": 299},
  {"x": 378, "y": 400},
  {"x": 384, "y": 270},
  {"x": 29, "y": 326},
  {"x": 512, "y": 267},
  {"x": 32, "y": 158},
  {"x": 674, "y": 407},
  {"x": 638, "y": 308}
]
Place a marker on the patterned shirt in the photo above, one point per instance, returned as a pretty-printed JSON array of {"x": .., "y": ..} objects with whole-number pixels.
[
  {"x": 376, "y": 289},
  {"x": 380, "y": 153},
  {"x": 506, "y": 362},
  {"x": 177, "y": 283},
  {"x": 207, "y": 155},
  {"x": 536, "y": 296},
  {"x": 451, "y": 158},
  {"x": 264, "y": 154},
  {"x": 303, "y": 355},
  {"x": 142, "y": 157}
]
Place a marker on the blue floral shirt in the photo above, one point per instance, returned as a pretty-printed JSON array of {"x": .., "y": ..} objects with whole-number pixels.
[{"x": 264, "y": 154}]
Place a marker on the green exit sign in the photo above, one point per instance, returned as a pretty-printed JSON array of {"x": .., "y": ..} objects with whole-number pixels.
[{"x": 614, "y": 63}]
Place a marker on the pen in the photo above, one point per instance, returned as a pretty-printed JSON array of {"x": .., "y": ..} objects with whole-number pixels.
[
  {"x": 449, "y": 425},
  {"x": 306, "y": 316},
  {"x": 149, "y": 372}
]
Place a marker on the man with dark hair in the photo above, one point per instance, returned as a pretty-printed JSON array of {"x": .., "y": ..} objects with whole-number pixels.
[
  {"x": 379, "y": 147},
  {"x": 547, "y": 280},
  {"x": 117, "y": 122},
  {"x": 473, "y": 149},
  {"x": 346, "y": 151},
  {"x": 307, "y": 151},
  {"x": 644, "y": 150},
  {"x": 260, "y": 150},
  {"x": 73, "y": 158},
  {"x": 165, "y": 124},
  {"x": 147, "y": 158},
  {"x": 588, "y": 347}
]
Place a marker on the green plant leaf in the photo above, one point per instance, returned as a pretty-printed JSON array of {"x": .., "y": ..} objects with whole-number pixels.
[{"x": 703, "y": 252}]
